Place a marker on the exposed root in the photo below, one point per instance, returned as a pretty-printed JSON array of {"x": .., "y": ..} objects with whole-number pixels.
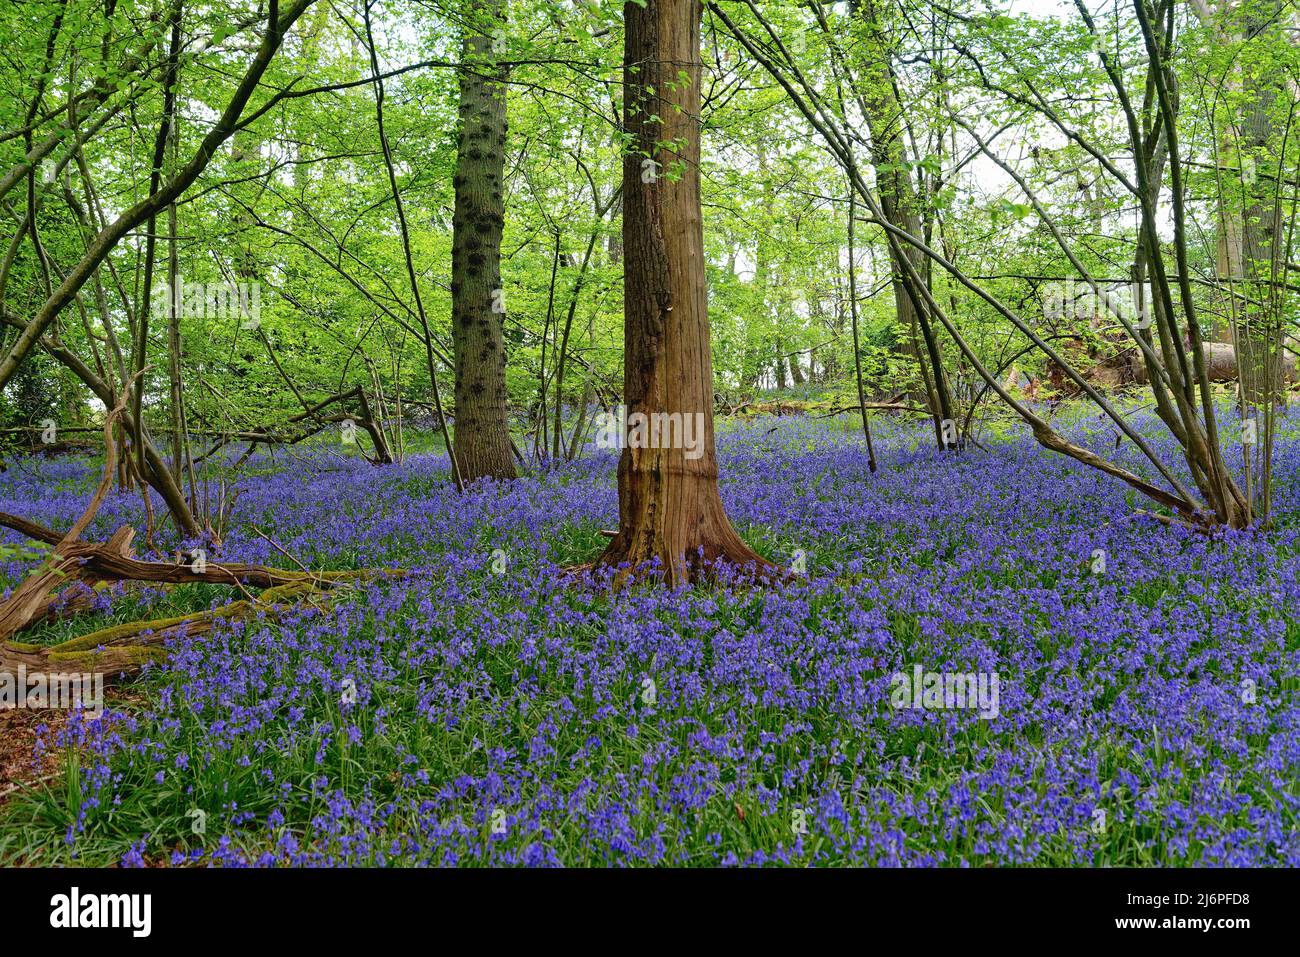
[{"x": 640, "y": 554}]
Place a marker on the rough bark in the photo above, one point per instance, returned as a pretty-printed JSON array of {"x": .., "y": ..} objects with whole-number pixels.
[
  {"x": 670, "y": 509},
  {"x": 478, "y": 305}
]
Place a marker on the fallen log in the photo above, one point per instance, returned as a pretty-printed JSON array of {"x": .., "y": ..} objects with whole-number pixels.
[
  {"x": 31, "y": 600},
  {"x": 825, "y": 409},
  {"x": 34, "y": 601},
  {"x": 32, "y": 530},
  {"x": 103, "y": 564},
  {"x": 124, "y": 648}
]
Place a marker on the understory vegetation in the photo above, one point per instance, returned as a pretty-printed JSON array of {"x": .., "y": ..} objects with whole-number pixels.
[{"x": 505, "y": 711}]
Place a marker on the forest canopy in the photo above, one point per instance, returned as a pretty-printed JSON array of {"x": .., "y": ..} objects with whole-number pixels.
[{"x": 256, "y": 221}]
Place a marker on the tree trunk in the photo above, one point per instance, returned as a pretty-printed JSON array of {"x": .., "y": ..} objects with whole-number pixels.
[
  {"x": 179, "y": 438},
  {"x": 668, "y": 501},
  {"x": 174, "y": 349},
  {"x": 1259, "y": 339},
  {"x": 155, "y": 472},
  {"x": 900, "y": 203},
  {"x": 1248, "y": 228},
  {"x": 141, "y": 351},
  {"x": 477, "y": 299}
]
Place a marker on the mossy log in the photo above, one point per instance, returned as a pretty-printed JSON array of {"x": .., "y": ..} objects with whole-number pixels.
[{"x": 125, "y": 648}]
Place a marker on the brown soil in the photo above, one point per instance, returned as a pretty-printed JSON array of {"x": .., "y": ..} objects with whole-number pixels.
[{"x": 17, "y": 738}]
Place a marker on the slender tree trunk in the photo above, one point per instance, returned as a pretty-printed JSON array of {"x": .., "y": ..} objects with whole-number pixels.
[
  {"x": 668, "y": 501},
  {"x": 108, "y": 238},
  {"x": 562, "y": 350},
  {"x": 1248, "y": 229},
  {"x": 400, "y": 210},
  {"x": 614, "y": 249},
  {"x": 179, "y": 438},
  {"x": 174, "y": 348},
  {"x": 478, "y": 303},
  {"x": 857, "y": 345},
  {"x": 161, "y": 140},
  {"x": 899, "y": 200},
  {"x": 1259, "y": 339}
]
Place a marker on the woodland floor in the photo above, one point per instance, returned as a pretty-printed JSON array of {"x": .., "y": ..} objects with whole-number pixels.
[{"x": 523, "y": 717}]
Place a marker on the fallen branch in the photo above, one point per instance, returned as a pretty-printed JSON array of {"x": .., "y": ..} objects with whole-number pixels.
[
  {"x": 31, "y": 599},
  {"x": 874, "y": 406},
  {"x": 124, "y": 648},
  {"x": 32, "y": 530}
]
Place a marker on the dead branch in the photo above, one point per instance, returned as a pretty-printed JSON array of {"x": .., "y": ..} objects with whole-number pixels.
[{"x": 126, "y": 647}]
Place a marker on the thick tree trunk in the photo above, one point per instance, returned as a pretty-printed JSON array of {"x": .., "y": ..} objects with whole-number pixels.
[
  {"x": 477, "y": 299},
  {"x": 1248, "y": 230},
  {"x": 1220, "y": 365},
  {"x": 668, "y": 501}
]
